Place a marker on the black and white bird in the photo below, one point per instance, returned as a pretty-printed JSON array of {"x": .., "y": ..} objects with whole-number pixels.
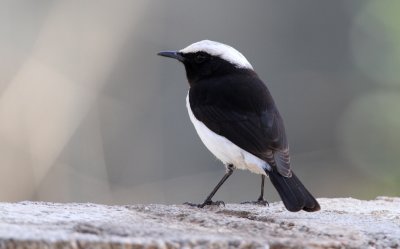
[{"x": 237, "y": 120}]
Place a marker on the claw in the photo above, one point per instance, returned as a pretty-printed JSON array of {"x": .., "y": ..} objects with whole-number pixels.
[
  {"x": 191, "y": 204},
  {"x": 216, "y": 203},
  {"x": 261, "y": 202},
  {"x": 206, "y": 203}
]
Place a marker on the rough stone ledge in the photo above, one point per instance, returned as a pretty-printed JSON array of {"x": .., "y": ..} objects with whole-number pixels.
[{"x": 342, "y": 223}]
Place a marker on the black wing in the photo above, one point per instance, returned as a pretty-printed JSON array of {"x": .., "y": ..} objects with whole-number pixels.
[{"x": 242, "y": 110}]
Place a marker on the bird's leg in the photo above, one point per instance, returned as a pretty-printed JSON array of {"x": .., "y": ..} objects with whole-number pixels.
[
  {"x": 208, "y": 201},
  {"x": 260, "y": 200}
]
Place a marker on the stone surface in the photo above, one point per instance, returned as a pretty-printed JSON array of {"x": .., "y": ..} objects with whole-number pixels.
[{"x": 342, "y": 223}]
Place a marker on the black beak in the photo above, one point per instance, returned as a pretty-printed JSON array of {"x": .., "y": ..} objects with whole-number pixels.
[{"x": 172, "y": 54}]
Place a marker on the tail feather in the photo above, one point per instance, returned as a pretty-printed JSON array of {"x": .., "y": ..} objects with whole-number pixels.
[{"x": 294, "y": 195}]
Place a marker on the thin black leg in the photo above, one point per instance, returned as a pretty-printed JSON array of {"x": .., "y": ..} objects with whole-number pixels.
[
  {"x": 208, "y": 200},
  {"x": 260, "y": 200}
]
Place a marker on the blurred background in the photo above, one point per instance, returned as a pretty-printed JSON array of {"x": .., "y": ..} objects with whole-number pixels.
[{"x": 90, "y": 113}]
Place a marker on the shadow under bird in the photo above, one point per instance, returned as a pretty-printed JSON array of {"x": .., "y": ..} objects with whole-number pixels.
[{"x": 237, "y": 120}]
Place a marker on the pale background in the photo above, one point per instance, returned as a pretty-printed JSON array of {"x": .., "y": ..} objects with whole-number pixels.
[{"x": 90, "y": 113}]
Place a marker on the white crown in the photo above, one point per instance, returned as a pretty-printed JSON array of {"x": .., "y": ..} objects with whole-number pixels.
[{"x": 221, "y": 50}]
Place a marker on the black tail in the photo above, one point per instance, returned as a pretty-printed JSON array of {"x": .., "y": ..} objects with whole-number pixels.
[{"x": 293, "y": 193}]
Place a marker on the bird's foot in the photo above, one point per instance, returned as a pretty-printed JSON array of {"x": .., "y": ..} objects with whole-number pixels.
[
  {"x": 206, "y": 203},
  {"x": 260, "y": 201}
]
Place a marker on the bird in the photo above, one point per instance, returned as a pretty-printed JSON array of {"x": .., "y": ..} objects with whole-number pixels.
[{"x": 236, "y": 118}]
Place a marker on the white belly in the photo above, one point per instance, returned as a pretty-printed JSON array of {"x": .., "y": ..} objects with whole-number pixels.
[{"x": 225, "y": 150}]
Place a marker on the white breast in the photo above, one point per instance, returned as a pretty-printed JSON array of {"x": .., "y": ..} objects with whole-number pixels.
[{"x": 225, "y": 150}]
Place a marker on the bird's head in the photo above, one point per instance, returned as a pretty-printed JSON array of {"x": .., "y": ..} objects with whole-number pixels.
[{"x": 206, "y": 58}]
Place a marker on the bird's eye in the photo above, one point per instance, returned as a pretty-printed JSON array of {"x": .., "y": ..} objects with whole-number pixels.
[{"x": 199, "y": 58}]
